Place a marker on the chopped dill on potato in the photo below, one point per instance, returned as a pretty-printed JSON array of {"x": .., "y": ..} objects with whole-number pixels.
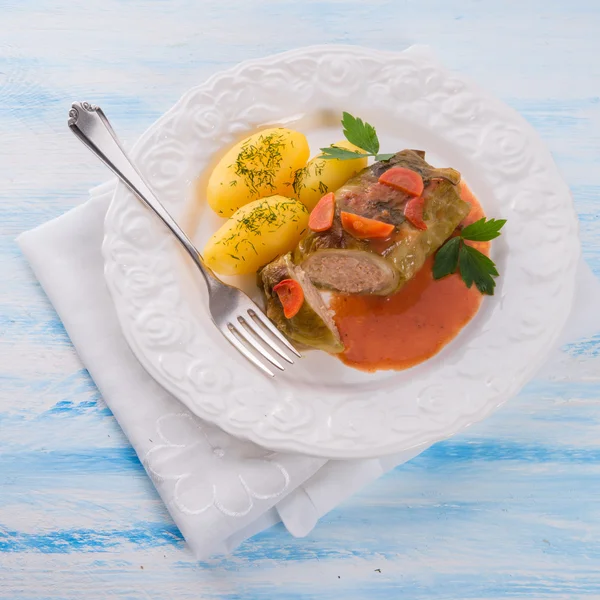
[{"x": 258, "y": 163}]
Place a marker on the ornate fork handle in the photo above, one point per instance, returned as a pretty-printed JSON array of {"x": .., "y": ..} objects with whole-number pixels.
[{"x": 91, "y": 126}]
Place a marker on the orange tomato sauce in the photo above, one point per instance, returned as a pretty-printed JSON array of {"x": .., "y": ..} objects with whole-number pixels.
[{"x": 403, "y": 330}]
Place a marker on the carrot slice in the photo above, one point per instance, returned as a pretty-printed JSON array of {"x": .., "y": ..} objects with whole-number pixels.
[
  {"x": 291, "y": 296},
  {"x": 403, "y": 179},
  {"x": 321, "y": 217},
  {"x": 363, "y": 228},
  {"x": 413, "y": 211}
]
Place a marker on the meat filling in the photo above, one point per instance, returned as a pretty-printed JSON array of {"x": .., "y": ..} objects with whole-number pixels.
[{"x": 350, "y": 272}]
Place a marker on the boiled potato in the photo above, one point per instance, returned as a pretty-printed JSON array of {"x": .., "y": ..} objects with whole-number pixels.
[
  {"x": 255, "y": 235},
  {"x": 261, "y": 165},
  {"x": 321, "y": 176}
]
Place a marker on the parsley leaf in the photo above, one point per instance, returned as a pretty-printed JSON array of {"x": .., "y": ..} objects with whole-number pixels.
[
  {"x": 340, "y": 153},
  {"x": 474, "y": 266},
  {"x": 446, "y": 260},
  {"x": 485, "y": 262},
  {"x": 482, "y": 230},
  {"x": 360, "y": 134}
]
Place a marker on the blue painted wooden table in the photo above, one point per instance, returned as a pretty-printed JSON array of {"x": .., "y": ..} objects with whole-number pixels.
[{"x": 509, "y": 509}]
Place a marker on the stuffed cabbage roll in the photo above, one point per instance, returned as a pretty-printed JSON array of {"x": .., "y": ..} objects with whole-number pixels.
[
  {"x": 339, "y": 261},
  {"x": 313, "y": 324}
]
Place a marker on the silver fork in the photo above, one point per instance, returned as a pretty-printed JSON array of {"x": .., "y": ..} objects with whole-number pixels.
[{"x": 239, "y": 319}]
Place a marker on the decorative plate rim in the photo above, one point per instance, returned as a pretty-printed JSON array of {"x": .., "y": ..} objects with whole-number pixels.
[{"x": 286, "y": 425}]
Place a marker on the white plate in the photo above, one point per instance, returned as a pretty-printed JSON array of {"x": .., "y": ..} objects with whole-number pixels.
[{"x": 320, "y": 406}]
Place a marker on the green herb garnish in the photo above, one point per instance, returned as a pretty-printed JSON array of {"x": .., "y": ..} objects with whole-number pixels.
[
  {"x": 474, "y": 266},
  {"x": 259, "y": 163},
  {"x": 299, "y": 178},
  {"x": 360, "y": 134},
  {"x": 482, "y": 230}
]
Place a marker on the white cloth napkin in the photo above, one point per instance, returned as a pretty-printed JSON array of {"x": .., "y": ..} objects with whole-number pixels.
[{"x": 218, "y": 489}]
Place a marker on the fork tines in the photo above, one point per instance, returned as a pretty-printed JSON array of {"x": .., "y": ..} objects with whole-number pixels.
[{"x": 251, "y": 333}]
